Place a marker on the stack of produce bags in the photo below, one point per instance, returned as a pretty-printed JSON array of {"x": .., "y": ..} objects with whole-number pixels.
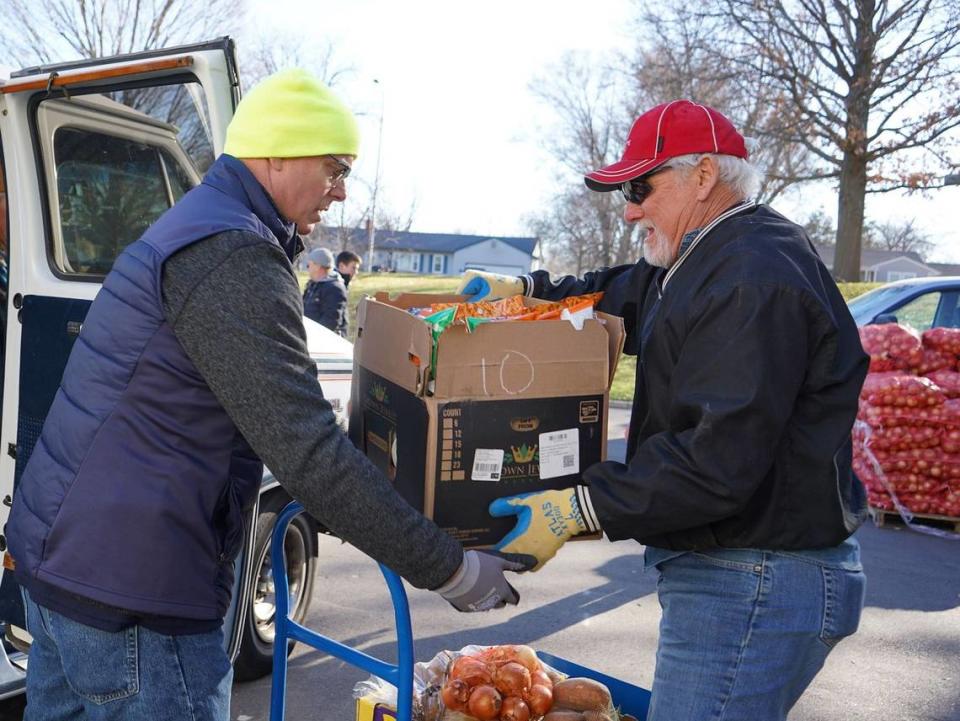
[{"x": 907, "y": 438}]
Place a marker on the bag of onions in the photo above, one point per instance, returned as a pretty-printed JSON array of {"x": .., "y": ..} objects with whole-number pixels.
[
  {"x": 497, "y": 683},
  {"x": 891, "y": 347}
]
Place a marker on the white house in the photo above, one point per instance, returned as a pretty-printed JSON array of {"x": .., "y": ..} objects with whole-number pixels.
[
  {"x": 446, "y": 253},
  {"x": 882, "y": 266}
]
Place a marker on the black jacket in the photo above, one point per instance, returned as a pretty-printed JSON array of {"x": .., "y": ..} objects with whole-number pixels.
[
  {"x": 748, "y": 374},
  {"x": 325, "y": 301}
]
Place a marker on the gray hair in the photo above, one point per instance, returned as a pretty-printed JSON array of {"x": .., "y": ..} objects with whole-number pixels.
[{"x": 741, "y": 176}]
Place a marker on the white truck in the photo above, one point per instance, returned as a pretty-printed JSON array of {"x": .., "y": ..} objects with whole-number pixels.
[{"x": 91, "y": 153}]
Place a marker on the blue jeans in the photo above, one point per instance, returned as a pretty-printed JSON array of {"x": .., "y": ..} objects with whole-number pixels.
[
  {"x": 744, "y": 632},
  {"x": 76, "y": 671}
]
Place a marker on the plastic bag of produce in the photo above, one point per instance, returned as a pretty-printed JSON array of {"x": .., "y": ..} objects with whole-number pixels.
[
  {"x": 890, "y": 344},
  {"x": 943, "y": 339},
  {"x": 494, "y": 683},
  {"x": 900, "y": 389}
]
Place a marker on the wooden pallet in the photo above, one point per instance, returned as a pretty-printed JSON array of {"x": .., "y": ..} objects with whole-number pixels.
[{"x": 891, "y": 519}]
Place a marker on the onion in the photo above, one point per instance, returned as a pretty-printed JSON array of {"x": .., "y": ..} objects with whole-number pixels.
[
  {"x": 484, "y": 703},
  {"x": 541, "y": 678},
  {"x": 455, "y": 694},
  {"x": 514, "y": 709},
  {"x": 472, "y": 670},
  {"x": 527, "y": 657},
  {"x": 539, "y": 699},
  {"x": 512, "y": 679}
]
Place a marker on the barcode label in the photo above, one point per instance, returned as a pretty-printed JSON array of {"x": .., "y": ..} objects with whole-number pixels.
[
  {"x": 487, "y": 464},
  {"x": 560, "y": 453}
]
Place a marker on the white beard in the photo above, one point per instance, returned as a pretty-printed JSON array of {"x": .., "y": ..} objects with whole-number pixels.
[{"x": 657, "y": 248}]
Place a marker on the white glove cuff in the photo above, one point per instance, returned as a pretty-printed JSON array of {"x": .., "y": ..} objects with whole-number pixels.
[
  {"x": 464, "y": 579},
  {"x": 589, "y": 515}
]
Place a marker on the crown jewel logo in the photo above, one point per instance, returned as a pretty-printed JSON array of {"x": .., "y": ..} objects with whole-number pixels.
[{"x": 524, "y": 454}]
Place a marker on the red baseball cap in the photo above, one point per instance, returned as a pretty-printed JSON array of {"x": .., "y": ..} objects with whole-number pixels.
[{"x": 680, "y": 127}]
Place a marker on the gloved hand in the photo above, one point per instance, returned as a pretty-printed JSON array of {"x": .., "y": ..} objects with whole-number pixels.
[
  {"x": 479, "y": 585},
  {"x": 546, "y": 520},
  {"x": 480, "y": 285}
]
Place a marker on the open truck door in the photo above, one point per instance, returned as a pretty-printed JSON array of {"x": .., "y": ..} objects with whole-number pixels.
[{"x": 93, "y": 152}]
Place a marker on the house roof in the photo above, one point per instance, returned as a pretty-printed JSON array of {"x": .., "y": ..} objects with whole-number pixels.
[
  {"x": 871, "y": 257},
  {"x": 946, "y": 268},
  {"x": 434, "y": 242}
]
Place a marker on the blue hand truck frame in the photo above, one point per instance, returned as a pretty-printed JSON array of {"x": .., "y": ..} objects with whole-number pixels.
[{"x": 629, "y": 698}]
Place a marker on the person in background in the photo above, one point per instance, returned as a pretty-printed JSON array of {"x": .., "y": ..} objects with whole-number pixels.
[
  {"x": 325, "y": 297},
  {"x": 190, "y": 370},
  {"x": 738, "y": 466},
  {"x": 348, "y": 265}
]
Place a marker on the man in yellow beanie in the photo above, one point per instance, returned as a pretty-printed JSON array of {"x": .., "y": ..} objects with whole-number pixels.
[{"x": 168, "y": 403}]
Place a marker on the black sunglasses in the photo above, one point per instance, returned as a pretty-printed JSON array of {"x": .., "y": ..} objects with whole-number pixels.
[
  {"x": 342, "y": 173},
  {"x": 637, "y": 190}
]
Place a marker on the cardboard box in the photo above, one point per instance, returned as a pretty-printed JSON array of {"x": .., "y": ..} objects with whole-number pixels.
[{"x": 512, "y": 407}]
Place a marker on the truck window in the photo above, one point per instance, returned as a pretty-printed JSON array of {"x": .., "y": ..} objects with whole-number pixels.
[
  {"x": 115, "y": 162},
  {"x": 110, "y": 191}
]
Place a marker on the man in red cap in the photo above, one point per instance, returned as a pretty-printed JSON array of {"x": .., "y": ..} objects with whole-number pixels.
[{"x": 738, "y": 474}]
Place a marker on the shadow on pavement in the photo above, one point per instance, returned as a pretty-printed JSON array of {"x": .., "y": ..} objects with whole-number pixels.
[
  {"x": 624, "y": 586},
  {"x": 908, "y": 570}
]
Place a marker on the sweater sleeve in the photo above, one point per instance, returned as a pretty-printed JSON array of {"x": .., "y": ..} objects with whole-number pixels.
[{"x": 236, "y": 309}]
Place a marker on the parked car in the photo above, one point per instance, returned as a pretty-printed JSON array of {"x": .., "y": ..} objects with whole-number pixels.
[
  {"x": 922, "y": 303},
  {"x": 91, "y": 153}
]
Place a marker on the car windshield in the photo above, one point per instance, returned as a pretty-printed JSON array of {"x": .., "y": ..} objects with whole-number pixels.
[{"x": 865, "y": 307}]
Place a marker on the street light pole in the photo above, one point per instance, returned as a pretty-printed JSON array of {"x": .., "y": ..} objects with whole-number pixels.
[{"x": 372, "y": 220}]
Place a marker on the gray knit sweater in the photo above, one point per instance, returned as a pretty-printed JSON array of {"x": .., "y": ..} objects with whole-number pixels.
[{"x": 236, "y": 309}]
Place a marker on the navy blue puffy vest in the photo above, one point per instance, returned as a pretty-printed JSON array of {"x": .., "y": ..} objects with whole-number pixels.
[{"x": 134, "y": 495}]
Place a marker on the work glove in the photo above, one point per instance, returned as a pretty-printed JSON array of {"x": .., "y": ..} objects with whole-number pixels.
[
  {"x": 545, "y": 521},
  {"x": 479, "y": 585},
  {"x": 479, "y": 285}
]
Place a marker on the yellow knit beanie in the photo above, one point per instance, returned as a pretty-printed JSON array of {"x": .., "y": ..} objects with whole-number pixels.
[{"x": 291, "y": 114}]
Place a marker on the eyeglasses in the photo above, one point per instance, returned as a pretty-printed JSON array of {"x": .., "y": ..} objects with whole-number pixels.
[
  {"x": 343, "y": 170},
  {"x": 639, "y": 189}
]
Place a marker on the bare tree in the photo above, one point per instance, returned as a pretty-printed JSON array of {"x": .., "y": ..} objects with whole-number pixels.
[
  {"x": 583, "y": 228},
  {"x": 903, "y": 237},
  {"x": 871, "y": 87},
  {"x": 43, "y": 31},
  {"x": 682, "y": 62},
  {"x": 820, "y": 228},
  {"x": 265, "y": 55}
]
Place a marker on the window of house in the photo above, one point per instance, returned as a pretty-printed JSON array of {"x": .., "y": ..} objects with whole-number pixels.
[
  {"x": 900, "y": 275},
  {"x": 438, "y": 264}
]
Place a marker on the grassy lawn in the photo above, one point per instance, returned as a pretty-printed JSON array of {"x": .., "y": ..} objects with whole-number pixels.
[{"x": 371, "y": 283}]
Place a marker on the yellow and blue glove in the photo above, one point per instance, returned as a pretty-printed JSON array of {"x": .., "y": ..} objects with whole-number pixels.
[
  {"x": 545, "y": 521},
  {"x": 480, "y": 285}
]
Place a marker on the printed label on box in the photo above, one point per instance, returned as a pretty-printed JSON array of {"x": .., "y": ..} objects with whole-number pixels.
[
  {"x": 487, "y": 464},
  {"x": 559, "y": 453}
]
